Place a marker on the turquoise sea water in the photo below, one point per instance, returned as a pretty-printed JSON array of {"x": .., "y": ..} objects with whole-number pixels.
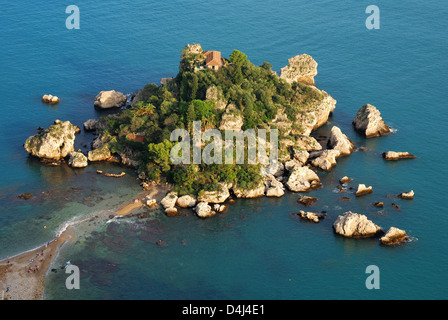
[{"x": 255, "y": 250}]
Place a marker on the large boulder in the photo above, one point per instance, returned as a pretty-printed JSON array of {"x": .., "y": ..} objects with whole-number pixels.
[
  {"x": 325, "y": 160},
  {"x": 339, "y": 141},
  {"x": 110, "y": 99},
  {"x": 274, "y": 188},
  {"x": 368, "y": 121},
  {"x": 54, "y": 143},
  {"x": 204, "y": 210},
  {"x": 392, "y": 155},
  {"x": 77, "y": 160},
  {"x": 301, "y": 68},
  {"x": 186, "y": 201},
  {"x": 354, "y": 225},
  {"x": 100, "y": 154},
  {"x": 169, "y": 201},
  {"x": 394, "y": 236},
  {"x": 302, "y": 179}
]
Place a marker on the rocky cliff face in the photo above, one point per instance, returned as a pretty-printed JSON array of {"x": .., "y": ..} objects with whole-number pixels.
[
  {"x": 54, "y": 143},
  {"x": 301, "y": 68}
]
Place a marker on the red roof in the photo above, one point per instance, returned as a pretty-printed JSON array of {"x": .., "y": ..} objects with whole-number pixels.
[{"x": 213, "y": 58}]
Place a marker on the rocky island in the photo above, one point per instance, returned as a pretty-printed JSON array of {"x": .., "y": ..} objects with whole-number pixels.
[{"x": 223, "y": 94}]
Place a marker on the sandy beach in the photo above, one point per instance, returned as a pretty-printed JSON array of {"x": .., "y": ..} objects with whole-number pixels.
[{"x": 22, "y": 277}]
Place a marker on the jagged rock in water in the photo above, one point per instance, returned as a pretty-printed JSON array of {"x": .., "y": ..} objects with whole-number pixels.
[
  {"x": 407, "y": 195},
  {"x": 394, "y": 236},
  {"x": 307, "y": 201},
  {"x": 90, "y": 125},
  {"x": 354, "y": 225},
  {"x": 368, "y": 121},
  {"x": 311, "y": 216},
  {"x": 392, "y": 155},
  {"x": 339, "y": 141},
  {"x": 362, "y": 190}
]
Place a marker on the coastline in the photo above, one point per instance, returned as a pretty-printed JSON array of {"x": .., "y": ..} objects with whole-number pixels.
[{"x": 22, "y": 277}]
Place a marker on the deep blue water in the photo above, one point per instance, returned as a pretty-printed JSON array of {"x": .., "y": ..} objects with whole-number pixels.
[{"x": 255, "y": 250}]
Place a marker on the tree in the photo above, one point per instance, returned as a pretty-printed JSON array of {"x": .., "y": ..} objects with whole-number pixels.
[{"x": 238, "y": 59}]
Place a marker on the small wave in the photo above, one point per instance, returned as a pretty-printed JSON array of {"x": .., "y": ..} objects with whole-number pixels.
[{"x": 393, "y": 130}]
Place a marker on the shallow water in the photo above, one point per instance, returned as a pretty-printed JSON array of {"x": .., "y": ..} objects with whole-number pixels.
[{"x": 255, "y": 250}]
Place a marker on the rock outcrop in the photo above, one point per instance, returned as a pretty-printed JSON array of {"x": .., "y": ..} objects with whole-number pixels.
[
  {"x": 302, "y": 179},
  {"x": 392, "y": 155},
  {"x": 325, "y": 160},
  {"x": 354, "y": 225},
  {"x": 362, "y": 190},
  {"x": 215, "y": 196},
  {"x": 110, "y": 99},
  {"x": 54, "y": 143},
  {"x": 344, "y": 180},
  {"x": 50, "y": 99},
  {"x": 394, "y": 236},
  {"x": 204, "y": 210},
  {"x": 316, "y": 114},
  {"x": 169, "y": 201},
  {"x": 77, "y": 160},
  {"x": 231, "y": 121},
  {"x": 100, "y": 154},
  {"x": 368, "y": 121},
  {"x": 274, "y": 188},
  {"x": 186, "y": 201},
  {"x": 90, "y": 125},
  {"x": 301, "y": 68},
  {"x": 407, "y": 195},
  {"x": 311, "y": 216},
  {"x": 256, "y": 192},
  {"x": 339, "y": 141}
]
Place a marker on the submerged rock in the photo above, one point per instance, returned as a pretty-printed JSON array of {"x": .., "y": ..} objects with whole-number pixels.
[
  {"x": 379, "y": 204},
  {"x": 362, "y": 190},
  {"x": 354, "y": 225},
  {"x": 54, "y": 143},
  {"x": 368, "y": 121},
  {"x": 392, "y": 155},
  {"x": 394, "y": 236},
  {"x": 110, "y": 99},
  {"x": 302, "y": 179},
  {"x": 307, "y": 201}
]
